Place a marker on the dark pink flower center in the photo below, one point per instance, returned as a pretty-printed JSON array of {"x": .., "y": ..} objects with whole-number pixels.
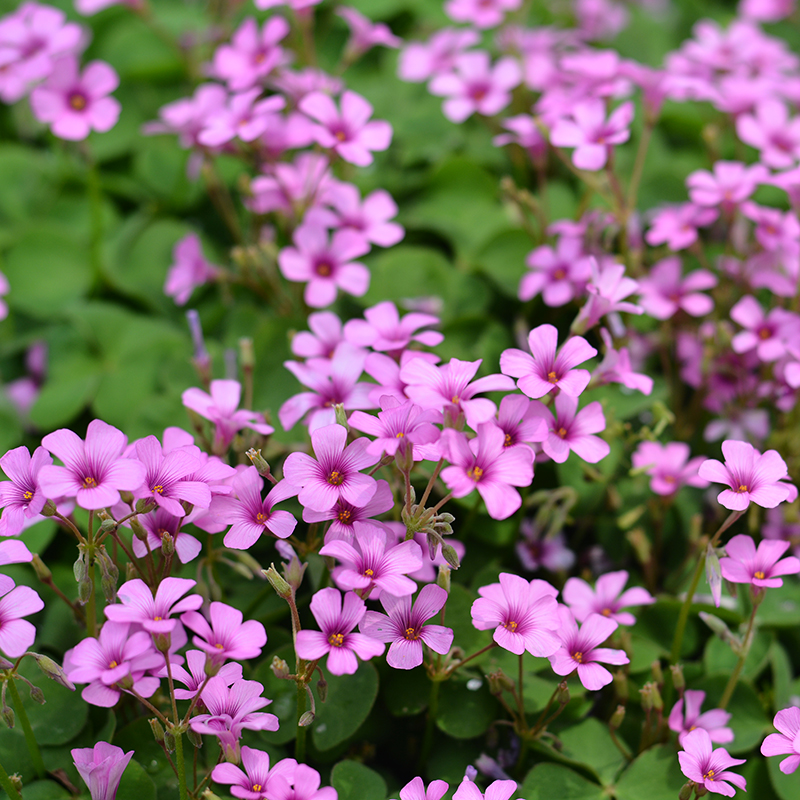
[
  {"x": 411, "y": 635},
  {"x": 336, "y": 639},
  {"x": 336, "y": 478},
  {"x": 77, "y": 101}
]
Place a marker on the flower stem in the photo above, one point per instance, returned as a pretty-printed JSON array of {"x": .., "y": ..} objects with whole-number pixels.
[
  {"x": 30, "y": 738},
  {"x": 8, "y": 787},
  {"x": 179, "y": 763},
  {"x": 737, "y": 671},
  {"x": 300, "y": 742}
]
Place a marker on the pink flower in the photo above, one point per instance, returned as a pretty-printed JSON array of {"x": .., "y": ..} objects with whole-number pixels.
[
  {"x": 152, "y": 613},
  {"x": 325, "y": 265},
  {"x": 220, "y": 407},
  {"x": 761, "y": 567},
  {"x": 477, "y": 86},
  {"x": 537, "y": 550},
  {"x": 347, "y": 132},
  {"x": 749, "y": 475},
  {"x": 524, "y": 132},
  {"x": 21, "y": 498},
  {"x": 669, "y": 466},
  {"x": 188, "y": 116},
  {"x": 74, "y": 104},
  {"x": 771, "y": 131},
  {"x": 787, "y": 721},
  {"x": 94, "y": 471},
  {"x": 524, "y": 615},
  {"x": 558, "y": 275},
  {"x": 607, "y": 289},
  {"x": 579, "y": 649},
  {"x": 369, "y": 562},
  {"x": 17, "y": 634},
  {"x": 159, "y": 522},
  {"x": 305, "y": 784},
  {"x": 415, "y": 790},
  {"x": 677, "y": 225},
  {"x": 334, "y": 474},
  {"x": 404, "y": 626},
  {"x": 569, "y": 430},
  {"x": 397, "y": 428},
  {"x": 616, "y": 367},
  {"x": 364, "y": 33},
  {"x": 767, "y": 334},
  {"x": 665, "y": 291},
  {"x": 189, "y": 270},
  {"x": 244, "y": 117},
  {"x": 383, "y": 330},
  {"x": 252, "y": 54},
  {"x": 292, "y": 189},
  {"x": 545, "y": 370},
  {"x": 707, "y": 767},
  {"x": 497, "y": 790},
  {"x": 326, "y": 334},
  {"x": 336, "y": 638},
  {"x": 257, "y": 781},
  {"x": 227, "y": 637},
  {"x": 606, "y": 599},
  {"x": 485, "y": 464},
  {"x": 481, "y": 13},
  {"x": 101, "y": 768},
  {"x": 728, "y": 186},
  {"x": 370, "y": 218},
  {"x": 252, "y": 517},
  {"x": 713, "y": 721},
  {"x": 520, "y": 423},
  {"x": 195, "y": 676},
  {"x": 420, "y": 61},
  {"x": 591, "y": 134}
]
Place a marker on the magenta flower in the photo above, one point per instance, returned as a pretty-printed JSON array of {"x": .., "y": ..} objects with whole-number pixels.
[
  {"x": 292, "y": 189},
  {"x": 579, "y": 649},
  {"x": 21, "y": 498},
  {"x": 767, "y": 334},
  {"x": 382, "y": 329},
  {"x": 13, "y": 551},
  {"x": 728, "y": 186},
  {"x": 497, "y": 790},
  {"x": 571, "y": 429},
  {"x": 252, "y": 53},
  {"x": 220, "y": 407},
  {"x": 364, "y": 33},
  {"x": 257, "y": 781},
  {"x": 668, "y": 466},
  {"x": 607, "y": 289},
  {"x": 761, "y": 567},
  {"x": 189, "y": 270},
  {"x": 404, "y": 626},
  {"x": 708, "y": 767},
  {"x": 195, "y": 675},
  {"x": 159, "y": 522},
  {"x": 74, "y": 104},
  {"x": 325, "y": 265},
  {"x": 749, "y": 475},
  {"x": 486, "y": 464},
  {"x": 713, "y": 721},
  {"x": 616, "y": 367},
  {"x": 115, "y": 659},
  {"x": 325, "y": 335},
  {"x": 334, "y": 474},
  {"x": 370, "y": 562},
  {"x": 227, "y": 637},
  {"x": 415, "y": 790},
  {"x": 388, "y": 374},
  {"x": 677, "y": 225},
  {"x": 348, "y": 132},
  {"x": 607, "y": 598},
  {"x": 537, "y": 550},
  {"x": 305, "y": 785},
  {"x": 16, "y": 602},
  {"x": 665, "y": 291},
  {"x": 590, "y": 133},
  {"x": 558, "y": 275},
  {"x": 397, "y": 428},
  {"x": 481, "y": 13},
  {"x": 476, "y": 86},
  {"x": 523, "y": 615},
  {"x": 545, "y": 371},
  {"x": 450, "y": 388},
  {"x": 520, "y": 424},
  {"x": 787, "y": 721},
  {"x": 94, "y": 471},
  {"x": 370, "y": 218},
  {"x": 335, "y": 637},
  {"x": 420, "y": 61},
  {"x": 251, "y": 516},
  {"x": 101, "y": 768},
  {"x": 244, "y": 117},
  {"x": 771, "y": 131},
  {"x": 152, "y": 613}
]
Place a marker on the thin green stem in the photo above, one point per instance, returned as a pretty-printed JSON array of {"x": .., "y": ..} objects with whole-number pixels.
[
  {"x": 737, "y": 671},
  {"x": 181, "y": 765},
  {"x": 431, "y": 482},
  {"x": 300, "y": 741},
  {"x": 30, "y": 737},
  {"x": 8, "y": 787},
  {"x": 520, "y": 697},
  {"x": 463, "y": 661},
  {"x": 638, "y": 168}
]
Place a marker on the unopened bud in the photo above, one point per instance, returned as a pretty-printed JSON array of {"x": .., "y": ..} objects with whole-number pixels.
[
  {"x": 499, "y": 682},
  {"x": 167, "y": 544},
  {"x": 450, "y": 556},
  {"x": 138, "y": 529},
  {"x": 144, "y": 506},
  {"x": 714, "y": 574},
  {"x": 341, "y": 419},
  {"x": 107, "y": 525},
  {"x": 5, "y": 663},
  {"x": 646, "y": 693},
  {"x": 259, "y": 462},
  {"x": 306, "y": 719},
  {"x": 126, "y": 497},
  {"x": 686, "y": 791},
  {"x": 79, "y": 568},
  {"x": 246, "y": 353},
  {"x": 109, "y": 588},
  {"x": 212, "y": 666},
  {"x": 40, "y": 568},
  {"x": 195, "y": 738},
  {"x": 8, "y": 716},
  {"x": 280, "y": 669},
  {"x": 169, "y": 741},
  {"x": 293, "y": 572},
  {"x": 53, "y": 671},
  {"x": 162, "y": 642},
  {"x": 49, "y": 509},
  {"x": 84, "y": 592},
  {"x": 621, "y": 686},
  {"x": 443, "y": 578},
  {"x": 700, "y": 790},
  {"x": 209, "y": 795},
  {"x": 658, "y": 702},
  {"x": 158, "y": 731},
  {"x": 278, "y": 583},
  {"x": 563, "y": 693},
  {"x": 322, "y": 689},
  {"x": 16, "y": 781},
  {"x": 130, "y": 571},
  {"x": 658, "y": 674},
  {"x": 678, "y": 681},
  {"x": 616, "y": 718}
]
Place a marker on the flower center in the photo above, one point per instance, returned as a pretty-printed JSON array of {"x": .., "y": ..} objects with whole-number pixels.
[
  {"x": 759, "y": 575},
  {"x": 340, "y": 135},
  {"x": 709, "y": 775},
  {"x": 157, "y": 619},
  {"x": 606, "y": 612},
  {"x": 219, "y": 646},
  {"x": 560, "y": 274},
  {"x": 89, "y": 482},
  {"x": 742, "y": 488},
  {"x": 368, "y": 573},
  {"x": 27, "y": 495},
  {"x": 399, "y": 435},
  {"x": 511, "y": 625},
  {"x": 158, "y": 488},
  {"x": 256, "y": 787},
  {"x": 562, "y": 432},
  {"x": 336, "y": 639},
  {"x": 578, "y": 656},
  {"x": 77, "y": 101},
  {"x": 344, "y": 515},
  {"x": 764, "y": 333},
  {"x": 476, "y": 473},
  {"x": 507, "y": 441},
  {"x": 324, "y": 268},
  {"x": 552, "y": 377},
  {"x": 261, "y": 519},
  {"x": 455, "y": 399},
  {"x": 336, "y": 478},
  {"x": 411, "y": 635},
  {"x": 113, "y": 664}
]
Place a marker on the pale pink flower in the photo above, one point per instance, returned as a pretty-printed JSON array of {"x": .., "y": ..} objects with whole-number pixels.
[
  {"x": 758, "y": 567},
  {"x": 16, "y": 602},
  {"x": 559, "y": 275},
  {"x": 668, "y": 466},
  {"x": 415, "y": 790},
  {"x": 677, "y": 225},
  {"x": 787, "y": 721},
  {"x": 252, "y": 53},
  {"x": 325, "y": 335},
  {"x": 256, "y": 781},
  {"x": 664, "y": 291},
  {"x": 189, "y": 270},
  {"x": 383, "y": 330},
  {"x": 21, "y": 498},
  {"x": 608, "y": 288},
  {"x": 607, "y": 597},
  {"x": 573, "y": 430},
  {"x": 684, "y": 722},
  {"x": 727, "y": 186},
  {"x": 773, "y": 132},
  {"x": 369, "y": 217},
  {"x": 397, "y": 427},
  {"x": 227, "y": 637},
  {"x": 101, "y": 768},
  {"x": 481, "y": 13},
  {"x": 364, "y": 33},
  {"x": 767, "y": 334},
  {"x": 420, "y": 61},
  {"x": 497, "y": 790},
  {"x": 244, "y": 117},
  {"x": 153, "y": 613},
  {"x": 708, "y": 767}
]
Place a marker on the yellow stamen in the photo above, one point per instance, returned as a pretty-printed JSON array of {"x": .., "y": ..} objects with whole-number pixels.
[
  {"x": 89, "y": 482},
  {"x": 336, "y": 639},
  {"x": 759, "y": 575},
  {"x": 552, "y": 377},
  {"x": 578, "y": 656},
  {"x": 27, "y": 495},
  {"x": 411, "y": 635},
  {"x": 742, "y": 488},
  {"x": 157, "y": 489},
  {"x": 344, "y": 515},
  {"x": 476, "y": 473},
  {"x": 77, "y": 101},
  {"x": 511, "y": 626},
  {"x": 336, "y": 478},
  {"x": 368, "y": 573},
  {"x": 562, "y": 432}
]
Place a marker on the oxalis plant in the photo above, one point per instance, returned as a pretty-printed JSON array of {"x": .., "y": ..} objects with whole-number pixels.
[{"x": 469, "y": 471}]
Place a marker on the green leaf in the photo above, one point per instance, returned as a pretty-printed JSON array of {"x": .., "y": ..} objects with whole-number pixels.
[
  {"x": 781, "y": 675},
  {"x": 554, "y": 782},
  {"x": 654, "y": 775},
  {"x": 719, "y": 657},
  {"x": 590, "y": 743},
  {"x": 644, "y": 652},
  {"x": 466, "y": 708},
  {"x": 503, "y": 259},
  {"x": 136, "y": 784},
  {"x": 787, "y": 787},
  {"x": 780, "y": 607},
  {"x": 350, "y": 699},
  {"x": 405, "y": 692},
  {"x": 407, "y": 271},
  {"x": 353, "y": 781},
  {"x": 44, "y": 790}
]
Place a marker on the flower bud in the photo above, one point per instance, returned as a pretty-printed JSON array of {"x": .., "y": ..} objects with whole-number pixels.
[
  {"x": 306, "y": 719},
  {"x": 658, "y": 702},
  {"x": 404, "y": 458},
  {"x": 443, "y": 578},
  {"x": 158, "y": 731},
  {"x": 8, "y": 716},
  {"x": 53, "y": 671},
  {"x": 278, "y": 583},
  {"x": 563, "y": 693},
  {"x": 167, "y": 544},
  {"x": 450, "y": 556},
  {"x": 616, "y": 718},
  {"x": 195, "y": 738},
  {"x": 621, "y": 686},
  {"x": 686, "y": 791},
  {"x": 130, "y": 571},
  {"x": 341, "y": 419},
  {"x": 16, "y": 781},
  {"x": 714, "y": 574},
  {"x": 258, "y": 462},
  {"x": 161, "y": 641},
  {"x": 658, "y": 674},
  {"x": 79, "y": 567},
  {"x": 211, "y": 667},
  {"x": 499, "y": 682},
  {"x": 40, "y": 568},
  {"x": 678, "y": 681},
  {"x": 126, "y": 497},
  {"x": 280, "y": 669},
  {"x": 138, "y": 529},
  {"x": 246, "y": 353},
  {"x": 293, "y": 572},
  {"x": 49, "y": 509},
  {"x": 107, "y": 525},
  {"x": 145, "y": 505},
  {"x": 84, "y": 592},
  {"x": 5, "y": 663},
  {"x": 209, "y": 795},
  {"x": 109, "y": 588},
  {"x": 169, "y": 741},
  {"x": 322, "y": 689},
  {"x": 646, "y": 693}
]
